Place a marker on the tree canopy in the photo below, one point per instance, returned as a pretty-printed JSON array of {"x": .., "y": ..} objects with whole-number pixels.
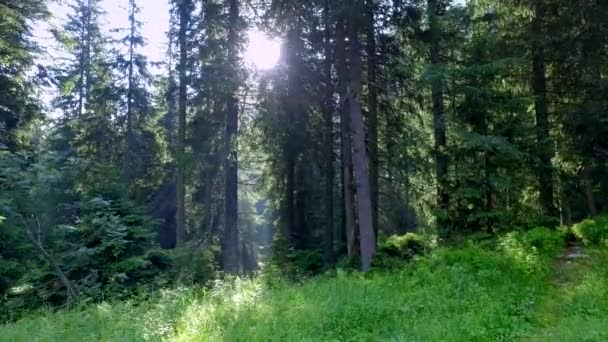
[{"x": 381, "y": 118}]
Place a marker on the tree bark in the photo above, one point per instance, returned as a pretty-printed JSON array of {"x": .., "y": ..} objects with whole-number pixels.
[
  {"x": 347, "y": 162},
  {"x": 87, "y": 69},
  {"x": 81, "y": 67},
  {"x": 539, "y": 86},
  {"x": 372, "y": 119},
  {"x": 295, "y": 116},
  {"x": 290, "y": 226},
  {"x": 439, "y": 121},
  {"x": 328, "y": 236},
  {"x": 588, "y": 186},
  {"x": 130, "y": 139},
  {"x": 230, "y": 245},
  {"x": 360, "y": 157},
  {"x": 180, "y": 215}
]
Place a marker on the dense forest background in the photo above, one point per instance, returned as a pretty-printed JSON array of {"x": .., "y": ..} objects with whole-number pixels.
[{"x": 382, "y": 118}]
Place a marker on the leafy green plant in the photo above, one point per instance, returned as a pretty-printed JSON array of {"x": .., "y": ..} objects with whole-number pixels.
[
  {"x": 452, "y": 294},
  {"x": 546, "y": 240},
  {"x": 396, "y": 249},
  {"x": 404, "y": 246},
  {"x": 530, "y": 249},
  {"x": 592, "y": 231}
]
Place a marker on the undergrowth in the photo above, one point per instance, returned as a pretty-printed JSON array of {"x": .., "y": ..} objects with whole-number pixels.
[{"x": 470, "y": 293}]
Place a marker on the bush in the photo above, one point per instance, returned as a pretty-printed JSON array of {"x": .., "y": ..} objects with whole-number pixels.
[
  {"x": 306, "y": 262},
  {"x": 399, "y": 248},
  {"x": 529, "y": 249},
  {"x": 548, "y": 241},
  {"x": 592, "y": 231},
  {"x": 404, "y": 246}
]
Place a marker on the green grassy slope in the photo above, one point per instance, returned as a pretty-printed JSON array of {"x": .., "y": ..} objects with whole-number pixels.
[{"x": 506, "y": 292}]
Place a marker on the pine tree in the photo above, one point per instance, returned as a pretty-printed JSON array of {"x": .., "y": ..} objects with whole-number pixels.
[
  {"x": 230, "y": 241},
  {"x": 18, "y": 106},
  {"x": 360, "y": 157},
  {"x": 435, "y": 8},
  {"x": 184, "y": 9},
  {"x": 539, "y": 87}
]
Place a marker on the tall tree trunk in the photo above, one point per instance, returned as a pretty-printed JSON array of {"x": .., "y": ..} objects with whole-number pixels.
[
  {"x": 360, "y": 158},
  {"x": 539, "y": 85},
  {"x": 230, "y": 243},
  {"x": 296, "y": 118},
  {"x": 588, "y": 186},
  {"x": 439, "y": 121},
  {"x": 565, "y": 211},
  {"x": 372, "y": 119},
  {"x": 87, "y": 69},
  {"x": 169, "y": 122},
  {"x": 328, "y": 236},
  {"x": 302, "y": 235},
  {"x": 290, "y": 226},
  {"x": 347, "y": 161},
  {"x": 180, "y": 215},
  {"x": 81, "y": 71},
  {"x": 130, "y": 140},
  {"x": 168, "y": 189}
]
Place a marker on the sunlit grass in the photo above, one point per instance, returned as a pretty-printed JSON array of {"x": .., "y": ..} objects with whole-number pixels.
[{"x": 465, "y": 294}]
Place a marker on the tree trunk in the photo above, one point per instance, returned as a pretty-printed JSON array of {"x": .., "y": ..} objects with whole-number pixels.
[
  {"x": 130, "y": 140},
  {"x": 439, "y": 121},
  {"x": 372, "y": 119},
  {"x": 347, "y": 162},
  {"x": 81, "y": 71},
  {"x": 180, "y": 215},
  {"x": 290, "y": 226},
  {"x": 539, "y": 85},
  {"x": 328, "y": 236},
  {"x": 360, "y": 158},
  {"x": 588, "y": 186},
  {"x": 230, "y": 245},
  {"x": 87, "y": 69}
]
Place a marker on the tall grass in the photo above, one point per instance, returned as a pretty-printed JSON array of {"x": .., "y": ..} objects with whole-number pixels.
[
  {"x": 464, "y": 294},
  {"x": 500, "y": 291}
]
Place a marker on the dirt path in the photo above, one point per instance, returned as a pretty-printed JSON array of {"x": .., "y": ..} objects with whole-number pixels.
[
  {"x": 558, "y": 317},
  {"x": 567, "y": 268}
]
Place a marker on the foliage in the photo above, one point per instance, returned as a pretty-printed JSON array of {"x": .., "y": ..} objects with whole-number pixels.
[
  {"x": 291, "y": 263},
  {"x": 397, "y": 249},
  {"x": 530, "y": 249},
  {"x": 479, "y": 122},
  {"x": 452, "y": 295},
  {"x": 101, "y": 242},
  {"x": 19, "y": 106},
  {"x": 593, "y": 231}
]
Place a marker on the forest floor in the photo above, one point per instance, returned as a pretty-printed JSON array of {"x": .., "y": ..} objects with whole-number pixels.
[
  {"x": 574, "y": 308},
  {"x": 499, "y": 292}
]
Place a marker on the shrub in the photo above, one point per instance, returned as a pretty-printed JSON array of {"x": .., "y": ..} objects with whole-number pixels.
[
  {"x": 530, "y": 248},
  {"x": 404, "y": 246},
  {"x": 592, "y": 231},
  {"x": 546, "y": 240},
  {"x": 306, "y": 262},
  {"x": 398, "y": 248}
]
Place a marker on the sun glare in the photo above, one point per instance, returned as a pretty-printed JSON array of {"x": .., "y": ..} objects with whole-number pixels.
[{"x": 262, "y": 52}]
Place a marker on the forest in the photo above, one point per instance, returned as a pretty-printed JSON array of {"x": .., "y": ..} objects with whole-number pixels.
[{"x": 409, "y": 170}]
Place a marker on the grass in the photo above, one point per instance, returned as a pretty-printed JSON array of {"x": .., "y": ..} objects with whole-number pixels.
[
  {"x": 576, "y": 307},
  {"x": 462, "y": 294}
]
